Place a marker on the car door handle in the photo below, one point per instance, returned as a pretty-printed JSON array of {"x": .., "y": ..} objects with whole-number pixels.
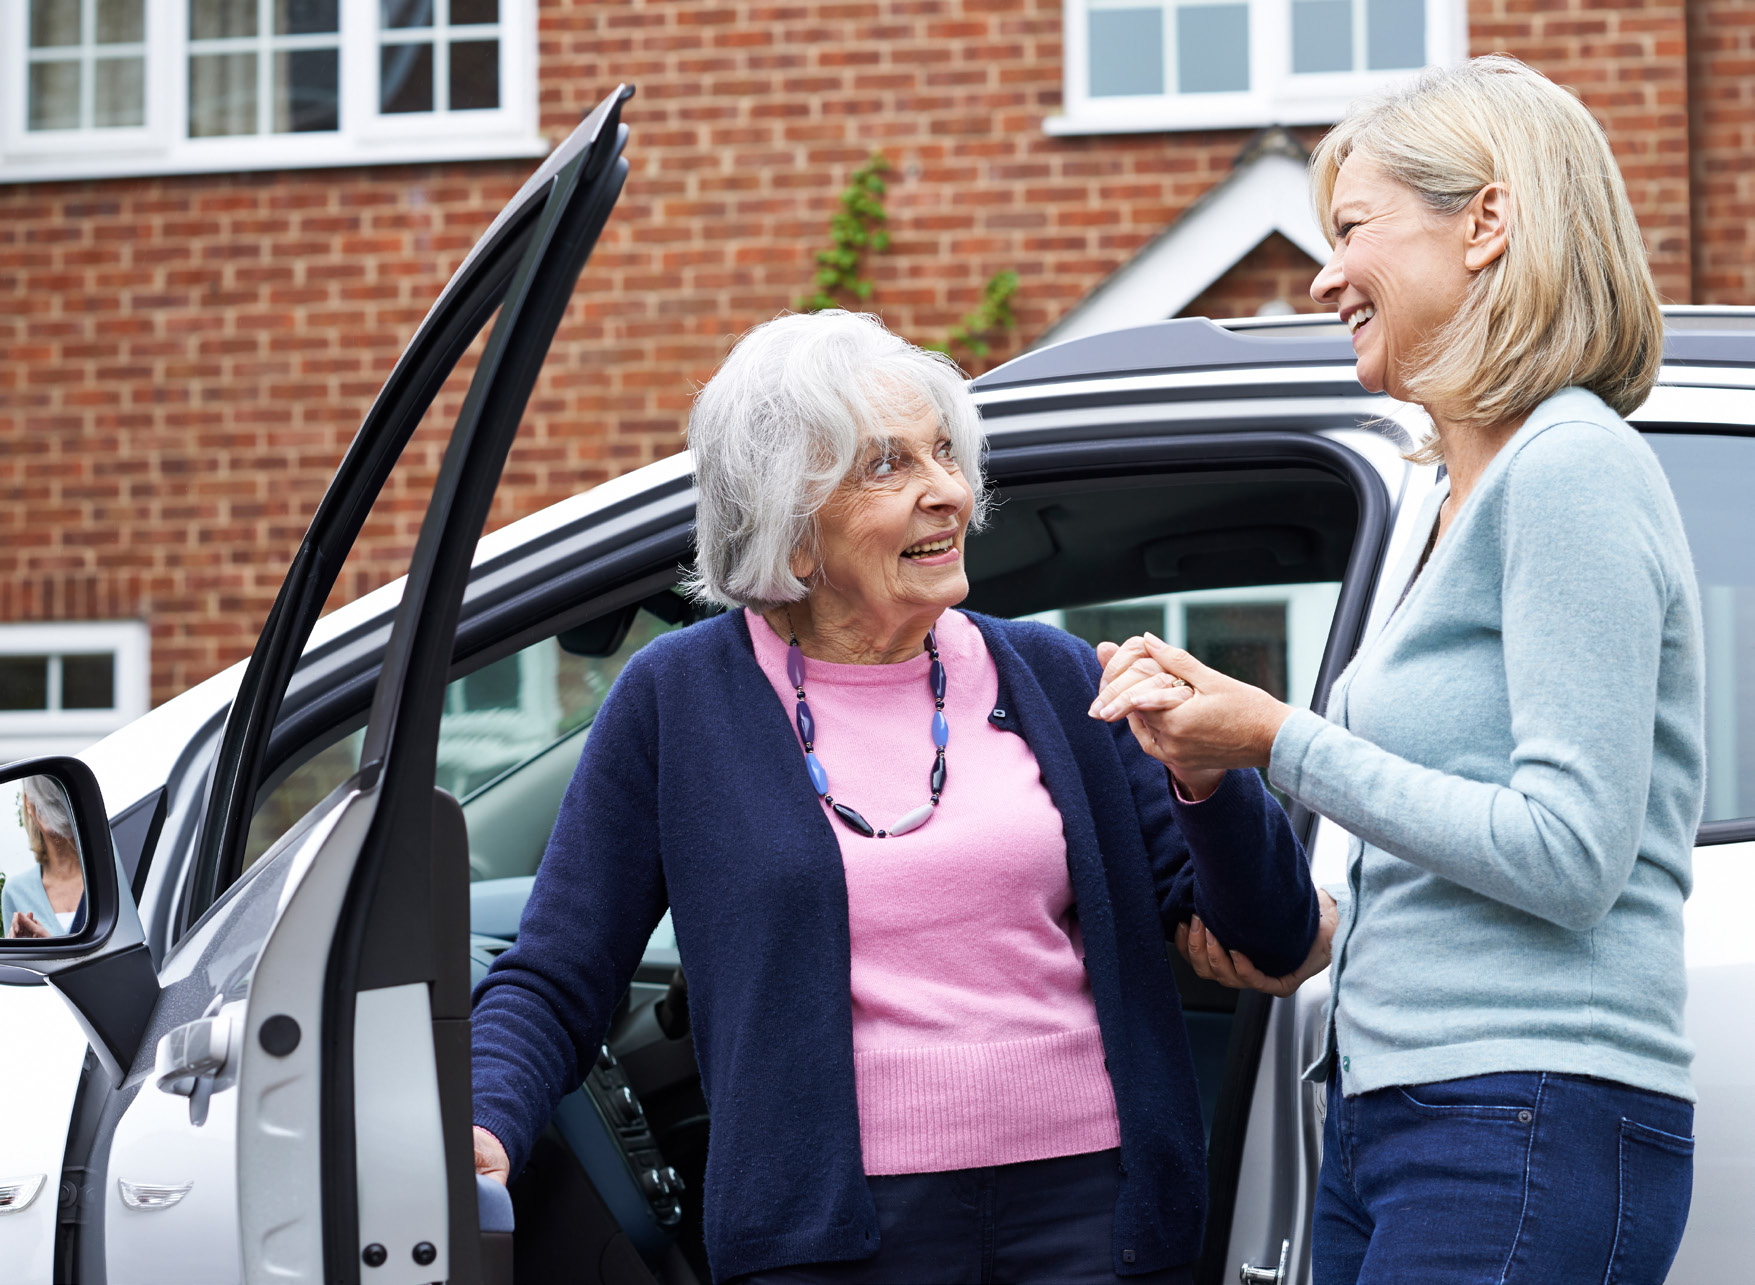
[
  {"x": 191, "y": 1057},
  {"x": 1250, "y": 1274}
]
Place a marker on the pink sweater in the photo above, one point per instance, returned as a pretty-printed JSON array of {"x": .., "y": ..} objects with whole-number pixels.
[{"x": 975, "y": 1037}]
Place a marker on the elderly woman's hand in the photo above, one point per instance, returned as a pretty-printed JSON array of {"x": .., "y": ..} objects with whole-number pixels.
[
  {"x": 1209, "y": 958},
  {"x": 491, "y": 1159},
  {"x": 1191, "y": 718}
]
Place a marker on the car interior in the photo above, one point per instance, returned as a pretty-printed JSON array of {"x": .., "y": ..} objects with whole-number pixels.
[{"x": 1241, "y": 564}]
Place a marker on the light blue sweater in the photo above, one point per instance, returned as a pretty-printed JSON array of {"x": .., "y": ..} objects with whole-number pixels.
[{"x": 1520, "y": 753}]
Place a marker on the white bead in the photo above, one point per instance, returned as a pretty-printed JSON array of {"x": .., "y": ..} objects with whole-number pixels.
[{"x": 913, "y": 821}]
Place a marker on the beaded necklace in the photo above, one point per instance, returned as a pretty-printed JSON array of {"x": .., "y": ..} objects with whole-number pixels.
[{"x": 819, "y": 776}]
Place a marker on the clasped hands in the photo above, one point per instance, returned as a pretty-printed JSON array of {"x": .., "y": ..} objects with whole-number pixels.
[{"x": 1200, "y": 723}]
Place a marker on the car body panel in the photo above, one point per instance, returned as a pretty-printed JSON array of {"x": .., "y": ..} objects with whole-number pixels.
[{"x": 38, "y": 1078}]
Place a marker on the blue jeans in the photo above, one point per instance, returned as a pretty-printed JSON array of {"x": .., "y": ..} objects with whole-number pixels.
[
  {"x": 1526, "y": 1178},
  {"x": 1042, "y": 1220}
]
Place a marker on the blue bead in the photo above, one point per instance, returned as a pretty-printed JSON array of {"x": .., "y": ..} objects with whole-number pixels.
[
  {"x": 938, "y": 775},
  {"x": 818, "y": 777},
  {"x": 807, "y": 726},
  {"x": 941, "y": 730},
  {"x": 795, "y": 665},
  {"x": 938, "y": 681}
]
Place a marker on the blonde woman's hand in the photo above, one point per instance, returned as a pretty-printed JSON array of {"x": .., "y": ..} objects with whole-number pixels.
[
  {"x": 1137, "y": 670},
  {"x": 1187, "y": 716},
  {"x": 1209, "y": 958},
  {"x": 491, "y": 1159}
]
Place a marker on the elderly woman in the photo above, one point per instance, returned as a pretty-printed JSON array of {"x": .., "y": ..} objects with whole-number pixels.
[
  {"x": 1519, "y": 748},
  {"x": 922, "y": 899},
  {"x": 45, "y": 901}
]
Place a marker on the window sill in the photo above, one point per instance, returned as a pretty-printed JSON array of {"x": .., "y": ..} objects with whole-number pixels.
[
  {"x": 254, "y": 153},
  {"x": 1184, "y": 118}
]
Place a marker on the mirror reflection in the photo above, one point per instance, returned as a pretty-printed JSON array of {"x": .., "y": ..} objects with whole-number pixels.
[{"x": 44, "y": 890}]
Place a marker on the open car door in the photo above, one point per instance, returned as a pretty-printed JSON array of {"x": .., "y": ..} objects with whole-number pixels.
[
  {"x": 304, "y": 1049},
  {"x": 354, "y": 1153}
]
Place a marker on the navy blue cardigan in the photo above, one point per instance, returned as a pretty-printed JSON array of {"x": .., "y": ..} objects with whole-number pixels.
[{"x": 691, "y": 793}]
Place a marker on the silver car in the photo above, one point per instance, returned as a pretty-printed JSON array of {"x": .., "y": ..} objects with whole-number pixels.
[{"x": 250, "y": 1057}]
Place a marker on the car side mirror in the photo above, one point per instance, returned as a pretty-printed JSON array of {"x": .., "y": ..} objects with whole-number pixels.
[{"x": 62, "y": 916}]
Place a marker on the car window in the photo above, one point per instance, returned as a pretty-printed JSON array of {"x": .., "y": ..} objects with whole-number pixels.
[
  {"x": 516, "y": 723},
  {"x": 1710, "y": 475}
]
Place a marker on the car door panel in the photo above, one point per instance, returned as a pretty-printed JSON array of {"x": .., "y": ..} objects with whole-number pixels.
[
  {"x": 143, "y": 1135},
  {"x": 171, "y": 1195}
]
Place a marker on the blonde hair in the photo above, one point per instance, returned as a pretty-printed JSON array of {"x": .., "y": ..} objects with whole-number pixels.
[{"x": 1571, "y": 301}]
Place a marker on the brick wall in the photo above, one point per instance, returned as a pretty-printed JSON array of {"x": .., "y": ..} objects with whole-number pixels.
[
  {"x": 1275, "y": 271},
  {"x": 183, "y": 360},
  {"x": 1628, "y": 61},
  {"x": 1721, "y": 56}
]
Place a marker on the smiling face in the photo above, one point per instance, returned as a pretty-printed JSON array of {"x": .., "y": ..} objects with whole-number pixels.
[
  {"x": 889, "y": 554},
  {"x": 1398, "y": 272}
]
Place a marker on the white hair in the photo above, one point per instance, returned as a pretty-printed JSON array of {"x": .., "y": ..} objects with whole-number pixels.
[
  {"x": 50, "y": 802},
  {"x": 781, "y": 424}
]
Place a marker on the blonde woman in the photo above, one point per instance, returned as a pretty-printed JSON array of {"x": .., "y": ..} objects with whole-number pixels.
[
  {"x": 1519, "y": 749},
  {"x": 47, "y": 900}
]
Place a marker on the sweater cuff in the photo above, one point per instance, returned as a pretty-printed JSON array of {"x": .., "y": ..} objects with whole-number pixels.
[
  {"x": 1291, "y": 746},
  {"x": 510, "y": 1134},
  {"x": 1231, "y": 801},
  {"x": 1184, "y": 800}
]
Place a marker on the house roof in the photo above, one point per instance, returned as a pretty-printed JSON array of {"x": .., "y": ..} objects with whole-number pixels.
[{"x": 1267, "y": 191}]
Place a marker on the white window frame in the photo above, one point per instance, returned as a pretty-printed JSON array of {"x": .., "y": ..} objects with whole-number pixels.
[
  {"x": 365, "y": 136},
  {"x": 1276, "y": 96},
  {"x": 27, "y": 733}
]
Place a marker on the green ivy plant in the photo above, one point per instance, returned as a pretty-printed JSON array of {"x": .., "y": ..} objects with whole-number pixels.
[
  {"x": 992, "y": 316},
  {"x": 856, "y": 226},
  {"x": 859, "y": 225}
]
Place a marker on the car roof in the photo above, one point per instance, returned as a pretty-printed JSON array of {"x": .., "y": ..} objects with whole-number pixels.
[{"x": 1714, "y": 336}]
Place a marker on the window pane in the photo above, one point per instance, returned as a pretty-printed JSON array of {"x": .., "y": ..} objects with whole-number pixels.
[
  {"x": 407, "y": 13},
  {"x": 54, "y": 95},
  {"x": 306, "y": 17},
  {"x": 303, "y": 788},
  {"x": 530, "y": 753},
  {"x": 1710, "y": 478},
  {"x": 468, "y": 11},
  {"x": 121, "y": 22},
  {"x": 1127, "y": 52},
  {"x": 1245, "y": 640},
  {"x": 119, "y": 92},
  {"x": 1395, "y": 34},
  {"x": 405, "y": 78},
  {"x": 24, "y": 682},
  {"x": 1212, "y": 49},
  {"x": 1322, "y": 35},
  {"x": 88, "y": 682},
  {"x": 475, "y": 74},
  {"x": 222, "y": 95},
  {"x": 213, "y": 19},
  {"x": 307, "y": 90},
  {"x": 53, "y": 23},
  {"x": 1116, "y": 624},
  {"x": 495, "y": 687}
]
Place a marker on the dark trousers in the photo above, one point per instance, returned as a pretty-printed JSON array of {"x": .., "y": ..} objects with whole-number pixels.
[
  {"x": 1043, "y": 1220},
  {"x": 1514, "y": 1179}
]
